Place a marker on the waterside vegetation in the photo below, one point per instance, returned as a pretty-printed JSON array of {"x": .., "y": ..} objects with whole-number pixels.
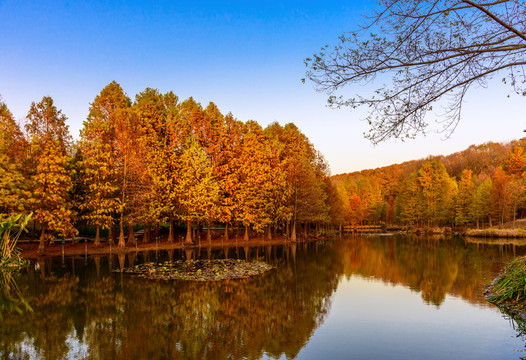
[
  {"x": 10, "y": 231},
  {"x": 161, "y": 165},
  {"x": 508, "y": 291}
]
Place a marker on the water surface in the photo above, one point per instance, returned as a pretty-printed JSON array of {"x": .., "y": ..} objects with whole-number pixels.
[{"x": 384, "y": 297}]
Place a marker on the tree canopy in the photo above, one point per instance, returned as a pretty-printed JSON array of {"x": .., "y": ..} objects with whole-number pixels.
[{"x": 434, "y": 51}]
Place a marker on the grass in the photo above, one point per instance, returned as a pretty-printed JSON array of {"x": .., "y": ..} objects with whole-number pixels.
[
  {"x": 10, "y": 230},
  {"x": 510, "y": 287},
  {"x": 505, "y": 233}
]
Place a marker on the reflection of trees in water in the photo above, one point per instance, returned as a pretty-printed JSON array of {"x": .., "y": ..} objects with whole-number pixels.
[
  {"x": 123, "y": 317},
  {"x": 115, "y": 316},
  {"x": 433, "y": 266}
]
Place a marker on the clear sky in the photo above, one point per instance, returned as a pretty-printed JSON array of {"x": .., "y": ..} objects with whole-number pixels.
[{"x": 246, "y": 56}]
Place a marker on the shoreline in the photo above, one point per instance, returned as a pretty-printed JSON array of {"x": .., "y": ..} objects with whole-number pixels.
[{"x": 29, "y": 250}]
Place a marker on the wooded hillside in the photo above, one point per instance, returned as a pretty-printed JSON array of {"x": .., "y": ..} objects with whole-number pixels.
[{"x": 482, "y": 185}]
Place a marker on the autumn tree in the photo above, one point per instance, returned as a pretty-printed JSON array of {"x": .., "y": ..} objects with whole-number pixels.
[
  {"x": 411, "y": 201},
  {"x": 50, "y": 141},
  {"x": 482, "y": 204},
  {"x": 515, "y": 166},
  {"x": 356, "y": 210},
  {"x": 371, "y": 196},
  {"x": 154, "y": 111},
  {"x": 100, "y": 158},
  {"x": 464, "y": 198},
  {"x": 196, "y": 188},
  {"x": 14, "y": 184},
  {"x": 227, "y": 162},
  {"x": 338, "y": 203},
  {"x": 255, "y": 180},
  {"x": 432, "y": 50},
  {"x": 304, "y": 172},
  {"x": 438, "y": 190},
  {"x": 500, "y": 195},
  {"x": 311, "y": 195},
  {"x": 201, "y": 129}
]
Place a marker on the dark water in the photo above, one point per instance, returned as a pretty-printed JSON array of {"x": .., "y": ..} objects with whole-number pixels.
[{"x": 380, "y": 297}]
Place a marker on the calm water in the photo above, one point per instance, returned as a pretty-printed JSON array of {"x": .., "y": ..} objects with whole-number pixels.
[{"x": 378, "y": 297}]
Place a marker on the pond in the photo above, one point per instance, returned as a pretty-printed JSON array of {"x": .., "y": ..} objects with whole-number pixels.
[{"x": 365, "y": 297}]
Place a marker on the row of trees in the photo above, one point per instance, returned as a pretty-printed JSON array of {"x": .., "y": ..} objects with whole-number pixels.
[
  {"x": 158, "y": 160},
  {"x": 482, "y": 185}
]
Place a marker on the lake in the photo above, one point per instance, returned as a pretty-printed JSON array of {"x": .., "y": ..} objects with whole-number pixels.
[{"x": 364, "y": 297}]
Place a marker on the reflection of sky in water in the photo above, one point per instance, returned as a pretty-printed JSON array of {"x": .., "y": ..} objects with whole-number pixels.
[{"x": 372, "y": 320}]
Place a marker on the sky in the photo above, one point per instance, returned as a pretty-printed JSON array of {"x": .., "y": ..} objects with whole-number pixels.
[{"x": 245, "y": 56}]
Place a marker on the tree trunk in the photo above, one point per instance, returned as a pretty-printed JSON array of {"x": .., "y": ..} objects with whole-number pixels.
[
  {"x": 287, "y": 229},
  {"x": 246, "y": 237},
  {"x": 269, "y": 233},
  {"x": 97, "y": 237},
  {"x": 208, "y": 232},
  {"x": 171, "y": 233},
  {"x": 226, "y": 231},
  {"x": 146, "y": 235},
  {"x": 188, "y": 239},
  {"x": 110, "y": 233},
  {"x": 131, "y": 236},
  {"x": 122, "y": 243},
  {"x": 114, "y": 233},
  {"x": 514, "y": 212},
  {"x": 156, "y": 233},
  {"x": 42, "y": 242},
  {"x": 293, "y": 234}
]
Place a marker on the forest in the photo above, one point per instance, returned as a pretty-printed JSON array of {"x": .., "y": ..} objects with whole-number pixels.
[
  {"x": 158, "y": 161},
  {"x": 482, "y": 186}
]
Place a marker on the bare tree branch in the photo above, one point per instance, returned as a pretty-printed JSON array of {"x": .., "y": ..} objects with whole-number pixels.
[{"x": 432, "y": 50}]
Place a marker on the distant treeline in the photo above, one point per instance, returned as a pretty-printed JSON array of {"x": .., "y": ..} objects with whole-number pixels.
[
  {"x": 157, "y": 160},
  {"x": 483, "y": 185}
]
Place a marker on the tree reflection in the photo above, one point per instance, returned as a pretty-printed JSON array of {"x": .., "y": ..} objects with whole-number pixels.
[
  {"x": 274, "y": 314},
  {"x": 116, "y": 316},
  {"x": 433, "y": 266}
]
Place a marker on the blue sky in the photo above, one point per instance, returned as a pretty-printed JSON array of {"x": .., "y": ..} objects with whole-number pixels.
[{"x": 246, "y": 56}]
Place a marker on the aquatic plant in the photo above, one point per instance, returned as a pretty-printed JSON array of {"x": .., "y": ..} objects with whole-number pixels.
[
  {"x": 10, "y": 230},
  {"x": 510, "y": 286}
]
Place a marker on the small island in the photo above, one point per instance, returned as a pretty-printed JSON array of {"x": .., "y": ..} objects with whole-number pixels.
[{"x": 198, "y": 270}]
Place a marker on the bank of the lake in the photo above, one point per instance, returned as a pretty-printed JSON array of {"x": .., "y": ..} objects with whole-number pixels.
[
  {"x": 508, "y": 290},
  {"x": 29, "y": 249}
]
